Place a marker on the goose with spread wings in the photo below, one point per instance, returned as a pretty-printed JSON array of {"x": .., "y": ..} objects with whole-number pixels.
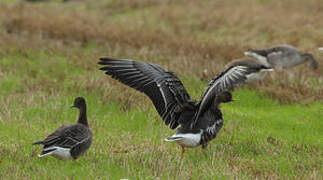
[
  {"x": 197, "y": 122},
  {"x": 69, "y": 141}
]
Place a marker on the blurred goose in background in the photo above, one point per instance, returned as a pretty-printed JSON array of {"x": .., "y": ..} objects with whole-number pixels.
[
  {"x": 282, "y": 57},
  {"x": 69, "y": 141},
  {"x": 254, "y": 76},
  {"x": 199, "y": 122}
]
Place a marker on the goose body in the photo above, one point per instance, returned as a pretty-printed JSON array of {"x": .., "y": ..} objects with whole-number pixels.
[
  {"x": 69, "y": 141},
  {"x": 186, "y": 139},
  {"x": 282, "y": 57},
  {"x": 197, "y": 122}
]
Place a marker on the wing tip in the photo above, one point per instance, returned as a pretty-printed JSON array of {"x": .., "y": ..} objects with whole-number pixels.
[
  {"x": 104, "y": 68},
  {"x": 105, "y": 60},
  {"x": 114, "y": 61},
  {"x": 37, "y": 143},
  {"x": 46, "y": 152}
]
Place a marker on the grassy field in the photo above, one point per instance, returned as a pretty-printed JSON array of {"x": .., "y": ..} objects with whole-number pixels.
[{"x": 48, "y": 56}]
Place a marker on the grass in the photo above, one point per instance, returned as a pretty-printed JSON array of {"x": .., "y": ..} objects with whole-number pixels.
[
  {"x": 48, "y": 57},
  {"x": 202, "y": 39}
]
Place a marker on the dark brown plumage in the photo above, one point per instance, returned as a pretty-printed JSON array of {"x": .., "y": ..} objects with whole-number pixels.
[
  {"x": 69, "y": 141},
  {"x": 199, "y": 121}
]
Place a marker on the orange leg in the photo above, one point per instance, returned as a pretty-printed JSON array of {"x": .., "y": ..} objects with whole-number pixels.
[
  {"x": 183, "y": 151},
  {"x": 203, "y": 148}
]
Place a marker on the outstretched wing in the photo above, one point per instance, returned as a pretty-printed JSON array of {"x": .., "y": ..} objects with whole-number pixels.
[
  {"x": 164, "y": 89},
  {"x": 66, "y": 137},
  {"x": 224, "y": 81}
]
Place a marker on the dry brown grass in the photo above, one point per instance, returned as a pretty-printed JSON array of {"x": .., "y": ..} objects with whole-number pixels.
[{"x": 184, "y": 36}]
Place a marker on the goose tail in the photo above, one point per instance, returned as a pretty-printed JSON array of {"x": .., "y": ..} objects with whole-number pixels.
[
  {"x": 173, "y": 139},
  {"x": 47, "y": 152}
]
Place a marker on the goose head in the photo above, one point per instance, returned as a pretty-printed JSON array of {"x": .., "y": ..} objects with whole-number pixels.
[
  {"x": 225, "y": 97},
  {"x": 79, "y": 102},
  {"x": 313, "y": 63}
]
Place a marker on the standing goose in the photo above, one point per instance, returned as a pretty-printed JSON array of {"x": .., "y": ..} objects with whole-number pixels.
[
  {"x": 255, "y": 76},
  {"x": 282, "y": 57},
  {"x": 69, "y": 141},
  {"x": 199, "y": 121}
]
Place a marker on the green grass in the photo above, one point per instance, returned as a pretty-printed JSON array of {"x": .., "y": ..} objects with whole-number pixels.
[
  {"x": 260, "y": 137},
  {"x": 48, "y": 56},
  {"x": 7, "y": 1}
]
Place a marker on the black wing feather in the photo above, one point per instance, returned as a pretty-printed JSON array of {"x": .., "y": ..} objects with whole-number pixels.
[
  {"x": 66, "y": 136},
  {"x": 164, "y": 89},
  {"x": 224, "y": 81}
]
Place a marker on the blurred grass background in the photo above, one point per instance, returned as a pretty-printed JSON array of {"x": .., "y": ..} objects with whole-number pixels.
[{"x": 48, "y": 56}]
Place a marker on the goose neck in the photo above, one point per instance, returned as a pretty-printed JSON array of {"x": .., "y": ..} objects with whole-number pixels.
[{"x": 82, "y": 116}]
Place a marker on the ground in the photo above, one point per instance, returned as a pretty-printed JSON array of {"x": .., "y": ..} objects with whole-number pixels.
[{"x": 49, "y": 53}]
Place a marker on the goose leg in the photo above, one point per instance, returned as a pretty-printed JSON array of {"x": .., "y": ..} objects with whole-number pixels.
[
  {"x": 183, "y": 151},
  {"x": 203, "y": 148}
]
